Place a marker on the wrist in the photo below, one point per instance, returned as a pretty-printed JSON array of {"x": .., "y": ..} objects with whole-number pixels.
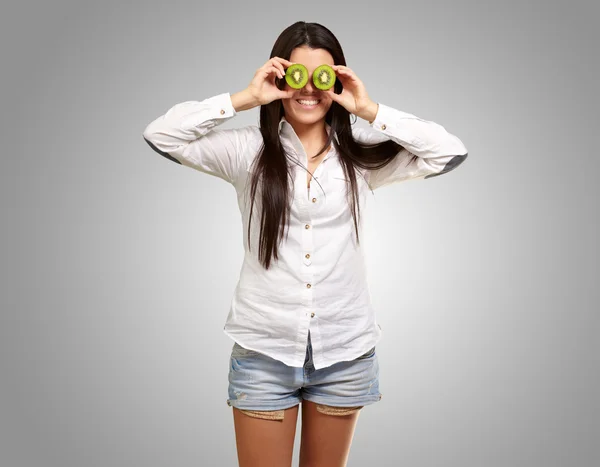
[
  {"x": 370, "y": 113},
  {"x": 243, "y": 100}
]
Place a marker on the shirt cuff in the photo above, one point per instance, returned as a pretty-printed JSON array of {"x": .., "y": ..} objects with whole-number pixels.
[
  {"x": 403, "y": 128},
  {"x": 386, "y": 115},
  {"x": 223, "y": 107},
  {"x": 207, "y": 113}
]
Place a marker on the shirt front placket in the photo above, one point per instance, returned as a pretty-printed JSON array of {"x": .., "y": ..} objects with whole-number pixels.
[{"x": 306, "y": 207}]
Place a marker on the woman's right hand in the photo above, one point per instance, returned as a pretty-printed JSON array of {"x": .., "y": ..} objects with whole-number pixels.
[{"x": 263, "y": 88}]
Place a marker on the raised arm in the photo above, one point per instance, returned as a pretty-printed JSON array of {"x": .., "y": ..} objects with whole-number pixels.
[
  {"x": 437, "y": 150},
  {"x": 186, "y": 134}
]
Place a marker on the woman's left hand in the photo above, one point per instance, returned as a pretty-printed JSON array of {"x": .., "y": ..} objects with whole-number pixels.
[{"x": 354, "y": 97}]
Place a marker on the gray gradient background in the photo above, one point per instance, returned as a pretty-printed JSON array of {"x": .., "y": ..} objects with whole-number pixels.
[{"x": 118, "y": 265}]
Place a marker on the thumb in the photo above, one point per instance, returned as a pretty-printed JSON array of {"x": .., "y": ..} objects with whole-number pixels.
[
  {"x": 334, "y": 97},
  {"x": 286, "y": 94}
]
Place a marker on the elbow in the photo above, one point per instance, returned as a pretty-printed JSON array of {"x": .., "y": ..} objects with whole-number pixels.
[
  {"x": 148, "y": 138},
  {"x": 464, "y": 152},
  {"x": 147, "y": 133},
  {"x": 456, "y": 154},
  {"x": 455, "y": 162},
  {"x": 452, "y": 164},
  {"x": 153, "y": 129},
  {"x": 459, "y": 147}
]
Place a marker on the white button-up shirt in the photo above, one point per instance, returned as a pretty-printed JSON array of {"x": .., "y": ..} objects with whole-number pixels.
[{"x": 319, "y": 282}]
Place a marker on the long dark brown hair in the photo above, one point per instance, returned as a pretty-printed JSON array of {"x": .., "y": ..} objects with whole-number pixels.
[{"x": 271, "y": 165}]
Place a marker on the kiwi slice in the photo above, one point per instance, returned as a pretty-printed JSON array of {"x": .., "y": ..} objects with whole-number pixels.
[
  {"x": 324, "y": 77},
  {"x": 296, "y": 76}
]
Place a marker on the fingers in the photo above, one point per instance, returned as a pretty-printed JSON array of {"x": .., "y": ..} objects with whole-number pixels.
[
  {"x": 341, "y": 68},
  {"x": 283, "y": 61},
  {"x": 279, "y": 70},
  {"x": 344, "y": 71},
  {"x": 280, "y": 63},
  {"x": 276, "y": 71},
  {"x": 273, "y": 70}
]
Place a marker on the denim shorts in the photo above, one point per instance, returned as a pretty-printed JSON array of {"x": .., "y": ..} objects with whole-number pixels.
[{"x": 259, "y": 382}]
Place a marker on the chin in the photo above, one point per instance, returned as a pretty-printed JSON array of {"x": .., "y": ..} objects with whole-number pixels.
[
  {"x": 306, "y": 116},
  {"x": 313, "y": 118},
  {"x": 310, "y": 116}
]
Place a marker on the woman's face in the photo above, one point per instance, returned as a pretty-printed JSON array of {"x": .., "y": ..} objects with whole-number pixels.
[{"x": 296, "y": 112}]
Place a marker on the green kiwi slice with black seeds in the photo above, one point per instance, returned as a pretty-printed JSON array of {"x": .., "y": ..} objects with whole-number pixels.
[
  {"x": 324, "y": 77},
  {"x": 296, "y": 76}
]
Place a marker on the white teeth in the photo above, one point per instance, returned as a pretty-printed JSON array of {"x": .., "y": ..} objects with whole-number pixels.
[{"x": 308, "y": 102}]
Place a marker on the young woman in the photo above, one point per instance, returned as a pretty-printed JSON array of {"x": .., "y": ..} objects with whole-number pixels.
[{"x": 301, "y": 317}]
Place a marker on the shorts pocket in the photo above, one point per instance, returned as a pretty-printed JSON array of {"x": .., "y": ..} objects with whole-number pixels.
[
  {"x": 239, "y": 352},
  {"x": 369, "y": 354}
]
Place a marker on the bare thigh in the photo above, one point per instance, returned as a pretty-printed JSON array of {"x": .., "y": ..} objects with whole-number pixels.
[
  {"x": 265, "y": 443},
  {"x": 326, "y": 438}
]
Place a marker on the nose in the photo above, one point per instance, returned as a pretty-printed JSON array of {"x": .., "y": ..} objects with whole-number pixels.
[{"x": 309, "y": 87}]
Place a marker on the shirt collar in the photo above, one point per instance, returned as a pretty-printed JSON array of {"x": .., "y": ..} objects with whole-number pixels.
[{"x": 285, "y": 125}]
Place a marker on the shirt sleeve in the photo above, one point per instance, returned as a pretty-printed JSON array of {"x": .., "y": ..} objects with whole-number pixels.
[
  {"x": 437, "y": 150},
  {"x": 186, "y": 134}
]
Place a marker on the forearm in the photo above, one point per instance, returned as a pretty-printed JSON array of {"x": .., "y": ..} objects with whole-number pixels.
[
  {"x": 426, "y": 139},
  {"x": 370, "y": 112},
  {"x": 243, "y": 100}
]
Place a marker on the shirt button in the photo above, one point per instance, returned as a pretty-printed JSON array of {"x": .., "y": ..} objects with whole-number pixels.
[
  {"x": 222, "y": 111},
  {"x": 383, "y": 127},
  {"x": 307, "y": 255},
  {"x": 307, "y": 226},
  {"x": 314, "y": 200},
  {"x": 312, "y": 315},
  {"x": 308, "y": 286}
]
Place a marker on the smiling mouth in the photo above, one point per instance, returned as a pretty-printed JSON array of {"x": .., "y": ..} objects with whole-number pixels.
[{"x": 308, "y": 103}]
